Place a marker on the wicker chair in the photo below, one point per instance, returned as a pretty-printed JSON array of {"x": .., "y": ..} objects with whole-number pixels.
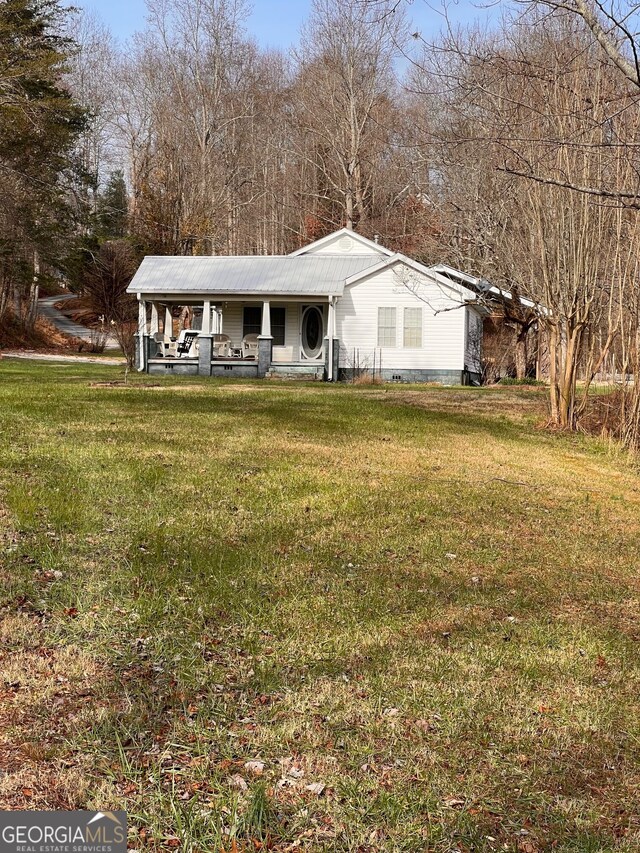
[
  {"x": 250, "y": 346},
  {"x": 221, "y": 346}
]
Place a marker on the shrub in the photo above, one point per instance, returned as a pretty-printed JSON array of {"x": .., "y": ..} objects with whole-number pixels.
[{"x": 510, "y": 380}]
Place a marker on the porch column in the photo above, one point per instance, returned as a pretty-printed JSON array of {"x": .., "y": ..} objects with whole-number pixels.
[
  {"x": 331, "y": 345},
  {"x": 142, "y": 337},
  {"x": 168, "y": 322},
  {"x": 265, "y": 341},
  {"x": 206, "y": 318},
  {"x": 205, "y": 340},
  {"x": 155, "y": 324}
]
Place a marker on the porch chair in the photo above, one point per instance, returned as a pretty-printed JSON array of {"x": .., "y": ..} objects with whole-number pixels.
[
  {"x": 186, "y": 339},
  {"x": 221, "y": 345},
  {"x": 250, "y": 346},
  {"x": 158, "y": 337}
]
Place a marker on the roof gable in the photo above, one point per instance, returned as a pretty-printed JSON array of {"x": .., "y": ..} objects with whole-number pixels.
[
  {"x": 343, "y": 242},
  {"x": 415, "y": 266}
]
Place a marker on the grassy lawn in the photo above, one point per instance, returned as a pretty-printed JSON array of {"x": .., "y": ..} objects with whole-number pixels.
[{"x": 300, "y": 617}]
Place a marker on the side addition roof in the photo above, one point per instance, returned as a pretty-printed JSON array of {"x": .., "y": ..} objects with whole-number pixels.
[
  {"x": 260, "y": 275},
  {"x": 481, "y": 285}
]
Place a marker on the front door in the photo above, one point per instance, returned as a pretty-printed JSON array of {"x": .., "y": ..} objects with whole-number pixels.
[{"x": 312, "y": 331}]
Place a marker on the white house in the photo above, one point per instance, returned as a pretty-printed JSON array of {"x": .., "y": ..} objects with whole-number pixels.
[{"x": 339, "y": 306}]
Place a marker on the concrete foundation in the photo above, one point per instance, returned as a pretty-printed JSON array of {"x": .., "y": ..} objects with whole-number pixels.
[
  {"x": 307, "y": 372},
  {"x": 173, "y": 367},
  {"x": 442, "y": 377},
  {"x": 235, "y": 369}
]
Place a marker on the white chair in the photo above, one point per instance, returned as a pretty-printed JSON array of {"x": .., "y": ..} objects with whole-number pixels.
[
  {"x": 250, "y": 346},
  {"x": 221, "y": 346},
  {"x": 160, "y": 344}
]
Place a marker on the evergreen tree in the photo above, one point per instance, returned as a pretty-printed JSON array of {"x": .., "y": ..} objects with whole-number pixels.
[
  {"x": 39, "y": 122},
  {"x": 113, "y": 208}
]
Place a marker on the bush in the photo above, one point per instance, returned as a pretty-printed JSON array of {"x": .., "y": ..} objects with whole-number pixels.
[{"x": 510, "y": 380}]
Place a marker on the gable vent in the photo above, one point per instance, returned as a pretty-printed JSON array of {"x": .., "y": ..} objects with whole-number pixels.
[{"x": 345, "y": 244}]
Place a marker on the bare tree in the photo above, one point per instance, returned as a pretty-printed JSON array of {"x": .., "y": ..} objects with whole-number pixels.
[
  {"x": 538, "y": 101},
  {"x": 89, "y": 78},
  {"x": 345, "y": 84}
]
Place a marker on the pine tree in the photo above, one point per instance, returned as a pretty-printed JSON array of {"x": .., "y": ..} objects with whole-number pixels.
[
  {"x": 39, "y": 122},
  {"x": 113, "y": 208}
]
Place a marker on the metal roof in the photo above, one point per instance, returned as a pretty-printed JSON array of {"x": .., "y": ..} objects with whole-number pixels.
[{"x": 318, "y": 275}]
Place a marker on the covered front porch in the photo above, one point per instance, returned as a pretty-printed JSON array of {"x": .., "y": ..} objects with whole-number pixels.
[{"x": 235, "y": 337}]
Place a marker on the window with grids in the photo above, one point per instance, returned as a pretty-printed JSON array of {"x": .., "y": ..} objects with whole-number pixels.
[
  {"x": 412, "y": 334},
  {"x": 386, "y": 327}
]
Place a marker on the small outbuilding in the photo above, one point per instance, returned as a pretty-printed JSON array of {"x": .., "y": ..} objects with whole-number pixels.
[{"x": 342, "y": 306}]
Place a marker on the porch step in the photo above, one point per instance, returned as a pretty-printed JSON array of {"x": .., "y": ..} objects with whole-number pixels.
[{"x": 304, "y": 372}]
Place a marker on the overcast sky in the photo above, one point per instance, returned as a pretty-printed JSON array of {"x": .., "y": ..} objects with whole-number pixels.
[{"x": 276, "y": 23}]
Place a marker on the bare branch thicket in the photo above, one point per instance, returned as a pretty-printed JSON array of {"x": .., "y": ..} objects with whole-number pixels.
[
  {"x": 540, "y": 101},
  {"x": 343, "y": 101}
]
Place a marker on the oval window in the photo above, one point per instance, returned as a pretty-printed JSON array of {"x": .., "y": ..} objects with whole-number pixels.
[{"x": 312, "y": 332}]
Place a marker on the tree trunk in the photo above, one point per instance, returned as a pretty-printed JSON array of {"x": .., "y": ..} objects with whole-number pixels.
[
  {"x": 567, "y": 379},
  {"x": 348, "y": 208},
  {"x": 34, "y": 288},
  {"x": 554, "y": 391},
  {"x": 521, "y": 353}
]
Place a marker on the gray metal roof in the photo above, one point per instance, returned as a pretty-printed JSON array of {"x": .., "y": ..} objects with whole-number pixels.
[{"x": 318, "y": 275}]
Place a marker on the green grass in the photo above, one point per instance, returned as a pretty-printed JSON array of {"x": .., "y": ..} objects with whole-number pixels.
[{"x": 413, "y": 597}]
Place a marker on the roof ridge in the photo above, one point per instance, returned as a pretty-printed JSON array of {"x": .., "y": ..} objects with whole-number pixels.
[{"x": 296, "y": 258}]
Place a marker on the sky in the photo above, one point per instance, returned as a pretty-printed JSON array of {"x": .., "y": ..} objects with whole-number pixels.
[{"x": 276, "y": 23}]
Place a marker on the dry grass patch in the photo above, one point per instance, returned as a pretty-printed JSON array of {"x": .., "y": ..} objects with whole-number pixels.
[
  {"x": 48, "y": 695},
  {"x": 313, "y": 618}
]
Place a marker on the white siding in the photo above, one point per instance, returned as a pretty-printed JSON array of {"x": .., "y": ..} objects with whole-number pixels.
[{"x": 443, "y": 334}]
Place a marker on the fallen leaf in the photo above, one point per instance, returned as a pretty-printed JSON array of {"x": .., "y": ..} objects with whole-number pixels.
[
  {"x": 453, "y": 802},
  {"x": 237, "y": 781},
  {"x": 256, "y": 767},
  {"x": 315, "y": 787}
]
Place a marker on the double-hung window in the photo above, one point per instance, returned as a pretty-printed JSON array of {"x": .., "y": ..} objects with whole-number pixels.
[
  {"x": 251, "y": 320},
  {"x": 412, "y": 328},
  {"x": 386, "y": 327},
  {"x": 278, "y": 320}
]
